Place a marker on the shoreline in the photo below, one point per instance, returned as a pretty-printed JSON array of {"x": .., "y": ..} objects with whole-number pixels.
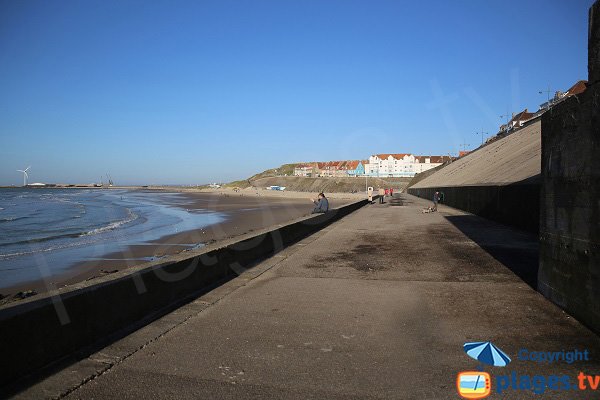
[{"x": 246, "y": 212}]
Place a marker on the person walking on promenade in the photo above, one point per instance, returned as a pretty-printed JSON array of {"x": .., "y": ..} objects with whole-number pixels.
[
  {"x": 321, "y": 204},
  {"x": 391, "y": 192},
  {"x": 436, "y": 197},
  {"x": 381, "y": 195}
]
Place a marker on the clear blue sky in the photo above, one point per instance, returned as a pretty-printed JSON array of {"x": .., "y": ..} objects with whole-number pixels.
[{"x": 199, "y": 91}]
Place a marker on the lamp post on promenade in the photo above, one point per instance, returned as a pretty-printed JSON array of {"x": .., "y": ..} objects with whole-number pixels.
[
  {"x": 547, "y": 96},
  {"x": 481, "y": 133},
  {"x": 507, "y": 115}
]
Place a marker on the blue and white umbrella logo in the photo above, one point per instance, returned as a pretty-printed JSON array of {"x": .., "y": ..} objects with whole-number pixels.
[{"x": 487, "y": 353}]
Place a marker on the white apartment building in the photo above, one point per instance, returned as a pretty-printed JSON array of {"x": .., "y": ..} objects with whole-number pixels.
[
  {"x": 401, "y": 165},
  {"x": 305, "y": 170}
]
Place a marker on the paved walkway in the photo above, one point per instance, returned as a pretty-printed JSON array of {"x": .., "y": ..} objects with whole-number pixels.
[{"x": 376, "y": 306}]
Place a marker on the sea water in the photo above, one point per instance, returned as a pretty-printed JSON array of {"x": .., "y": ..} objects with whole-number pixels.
[{"x": 44, "y": 232}]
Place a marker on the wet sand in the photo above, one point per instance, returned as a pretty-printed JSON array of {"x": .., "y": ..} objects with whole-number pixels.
[{"x": 246, "y": 211}]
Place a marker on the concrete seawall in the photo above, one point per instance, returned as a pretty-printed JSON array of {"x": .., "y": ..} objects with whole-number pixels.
[
  {"x": 570, "y": 219},
  {"x": 500, "y": 181},
  {"x": 569, "y": 225},
  {"x": 38, "y": 332},
  {"x": 516, "y": 205}
]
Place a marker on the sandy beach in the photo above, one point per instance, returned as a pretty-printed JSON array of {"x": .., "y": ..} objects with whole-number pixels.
[{"x": 245, "y": 210}]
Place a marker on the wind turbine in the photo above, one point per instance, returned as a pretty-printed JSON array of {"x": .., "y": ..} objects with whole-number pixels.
[{"x": 25, "y": 175}]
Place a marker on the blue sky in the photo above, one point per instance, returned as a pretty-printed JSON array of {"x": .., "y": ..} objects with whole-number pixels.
[{"x": 188, "y": 92}]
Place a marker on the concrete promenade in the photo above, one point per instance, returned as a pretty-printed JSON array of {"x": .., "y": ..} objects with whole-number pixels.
[{"x": 375, "y": 306}]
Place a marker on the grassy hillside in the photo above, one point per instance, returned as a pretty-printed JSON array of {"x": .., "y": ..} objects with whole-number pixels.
[
  {"x": 283, "y": 176},
  {"x": 327, "y": 185},
  {"x": 243, "y": 184},
  {"x": 285, "y": 169}
]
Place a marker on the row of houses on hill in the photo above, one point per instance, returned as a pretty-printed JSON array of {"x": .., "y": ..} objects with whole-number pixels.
[
  {"x": 331, "y": 168},
  {"x": 520, "y": 119},
  {"x": 378, "y": 165}
]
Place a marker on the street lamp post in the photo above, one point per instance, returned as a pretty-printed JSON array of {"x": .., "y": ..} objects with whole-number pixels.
[
  {"x": 507, "y": 115},
  {"x": 547, "y": 96},
  {"x": 481, "y": 133}
]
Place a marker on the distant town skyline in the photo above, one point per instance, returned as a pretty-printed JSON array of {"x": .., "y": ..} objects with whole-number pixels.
[{"x": 190, "y": 92}]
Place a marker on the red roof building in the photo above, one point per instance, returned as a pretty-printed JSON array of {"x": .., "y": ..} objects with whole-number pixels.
[{"x": 577, "y": 88}]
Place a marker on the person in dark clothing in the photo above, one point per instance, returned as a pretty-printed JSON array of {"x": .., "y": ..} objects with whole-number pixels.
[
  {"x": 436, "y": 198},
  {"x": 321, "y": 204}
]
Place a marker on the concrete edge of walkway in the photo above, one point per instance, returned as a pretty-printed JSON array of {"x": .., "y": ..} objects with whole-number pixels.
[
  {"x": 38, "y": 333},
  {"x": 63, "y": 378}
]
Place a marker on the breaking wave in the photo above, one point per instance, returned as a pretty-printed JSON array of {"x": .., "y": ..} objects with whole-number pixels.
[{"x": 131, "y": 216}]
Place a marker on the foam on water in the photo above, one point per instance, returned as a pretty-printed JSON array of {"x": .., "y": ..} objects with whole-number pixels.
[
  {"x": 113, "y": 225},
  {"x": 44, "y": 232}
]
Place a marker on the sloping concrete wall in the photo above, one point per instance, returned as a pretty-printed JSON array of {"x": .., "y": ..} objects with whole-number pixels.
[
  {"x": 499, "y": 181},
  {"x": 37, "y": 332},
  {"x": 514, "y": 158}
]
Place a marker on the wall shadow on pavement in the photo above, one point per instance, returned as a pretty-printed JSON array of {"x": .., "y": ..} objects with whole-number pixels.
[
  {"x": 515, "y": 249},
  {"x": 516, "y": 204}
]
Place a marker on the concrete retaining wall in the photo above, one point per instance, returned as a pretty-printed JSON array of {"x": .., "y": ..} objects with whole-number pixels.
[
  {"x": 38, "y": 332},
  {"x": 594, "y": 44},
  {"x": 569, "y": 272},
  {"x": 515, "y": 205}
]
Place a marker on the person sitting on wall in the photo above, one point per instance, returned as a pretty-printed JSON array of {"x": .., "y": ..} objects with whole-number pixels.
[{"x": 321, "y": 204}]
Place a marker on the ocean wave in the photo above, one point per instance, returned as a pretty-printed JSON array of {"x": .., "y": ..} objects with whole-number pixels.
[
  {"x": 131, "y": 216},
  {"x": 43, "y": 250},
  {"x": 10, "y": 219},
  {"x": 114, "y": 225},
  {"x": 41, "y": 240},
  {"x": 34, "y": 221}
]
